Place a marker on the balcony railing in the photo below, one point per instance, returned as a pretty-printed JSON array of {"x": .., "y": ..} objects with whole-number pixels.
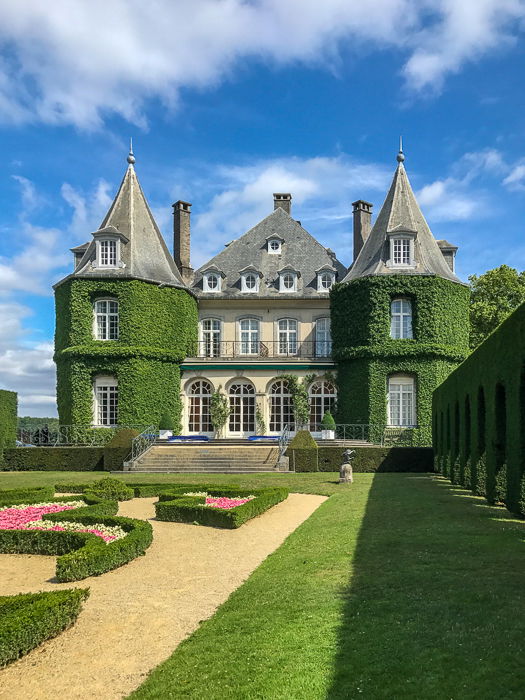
[{"x": 258, "y": 349}]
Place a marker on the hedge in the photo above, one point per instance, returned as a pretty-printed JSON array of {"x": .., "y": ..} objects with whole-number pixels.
[
  {"x": 479, "y": 418},
  {"x": 366, "y": 355},
  {"x": 157, "y": 331},
  {"x": 175, "y": 507},
  {"x": 28, "y": 619},
  {"x": 303, "y": 452},
  {"x": 144, "y": 490},
  {"x": 36, "y": 494},
  {"x": 118, "y": 449},
  {"x": 8, "y": 419},
  {"x": 379, "y": 459},
  {"x": 82, "y": 554},
  {"x": 67, "y": 459}
]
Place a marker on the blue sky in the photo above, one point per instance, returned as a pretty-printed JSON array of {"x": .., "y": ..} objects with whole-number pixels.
[{"x": 230, "y": 101}]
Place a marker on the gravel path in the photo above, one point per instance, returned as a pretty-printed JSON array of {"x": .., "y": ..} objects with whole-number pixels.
[{"x": 137, "y": 615}]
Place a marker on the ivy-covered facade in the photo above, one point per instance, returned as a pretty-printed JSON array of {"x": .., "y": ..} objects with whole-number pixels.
[
  {"x": 399, "y": 321},
  {"x": 274, "y": 322}
]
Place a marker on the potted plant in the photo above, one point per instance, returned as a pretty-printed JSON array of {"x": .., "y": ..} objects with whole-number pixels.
[
  {"x": 165, "y": 426},
  {"x": 328, "y": 427}
]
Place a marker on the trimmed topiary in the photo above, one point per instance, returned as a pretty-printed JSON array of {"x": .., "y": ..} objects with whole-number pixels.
[
  {"x": 118, "y": 449},
  {"x": 328, "y": 422},
  {"x": 303, "y": 451},
  {"x": 111, "y": 489},
  {"x": 166, "y": 422}
]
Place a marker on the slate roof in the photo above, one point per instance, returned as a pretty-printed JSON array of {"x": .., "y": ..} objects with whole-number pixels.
[
  {"x": 400, "y": 213},
  {"x": 143, "y": 250},
  {"x": 299, "y": 251}
]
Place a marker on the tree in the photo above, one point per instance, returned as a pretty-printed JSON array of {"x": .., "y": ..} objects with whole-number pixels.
[
  {"x": 494, "y": 295},
  {"x": 219, "y": 410}
]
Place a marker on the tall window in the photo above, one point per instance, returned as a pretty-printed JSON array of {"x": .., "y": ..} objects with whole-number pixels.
[
  {"x": 108, "y": 252},
  {"x": 323, "y": 338},
  {"x": 401, "y": 251},
  {"x": 322, "y": 399},
  {"x": 211, "y": 337},
  {"x": 281, "y": 407},
  {"x": 287, "y": 329},
  {"x": 242, "y": 408},
  {"x": 106, "y": 401},
  {"x": 249, "y": 335},
  {"x": 401, "y": 318},
  {"x": 401, "y": 401},
  {"x": 199, "y": 393},
  {"x": 106, "y": 319}
]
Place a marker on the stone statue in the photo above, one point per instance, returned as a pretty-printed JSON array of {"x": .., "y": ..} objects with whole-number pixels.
[{"x": 345, "y": 473}]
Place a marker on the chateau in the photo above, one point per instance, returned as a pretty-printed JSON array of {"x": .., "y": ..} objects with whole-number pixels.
[{"x": 139, "y": 333}]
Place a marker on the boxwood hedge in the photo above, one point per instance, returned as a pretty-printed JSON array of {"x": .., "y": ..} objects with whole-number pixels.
[
  {"x": 175, "y": 507},
  {"x": 478, "y": 418},
  {"x": 28, "y": 619}
]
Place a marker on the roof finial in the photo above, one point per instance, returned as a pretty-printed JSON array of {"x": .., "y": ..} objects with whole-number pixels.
[
  {"x": 131, "y": 157},
  {"x": 400, "y": 155}
]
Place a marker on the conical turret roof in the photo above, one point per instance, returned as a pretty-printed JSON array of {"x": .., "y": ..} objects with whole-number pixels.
[
  {"x": 143, "y": 251},
  {"x": 400, "y": 214}
]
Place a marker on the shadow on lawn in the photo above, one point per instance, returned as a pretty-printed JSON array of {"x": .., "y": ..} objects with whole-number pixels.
[{"x": 435, "y": 607}]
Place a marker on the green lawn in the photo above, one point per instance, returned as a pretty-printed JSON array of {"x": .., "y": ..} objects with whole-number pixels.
[
  {"x": 324, "y": 483},
  {"x": 399, "y": 586}
]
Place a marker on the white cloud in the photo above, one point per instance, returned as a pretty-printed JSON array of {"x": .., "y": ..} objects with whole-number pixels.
[
  {"x": 515, "y": 180},
  {"x": 73, "y": 61},
  {"x": 446, "y": 200}
]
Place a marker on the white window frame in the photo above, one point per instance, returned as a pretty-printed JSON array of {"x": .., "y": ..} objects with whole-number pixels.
[
  {"x": 249, "y": 338},
  {"x": 210, "y": 337},
  {"x": 277, "y": 250},
  {"x": 282, "y": 288},
  {"x": 206, "y": 282},
  {"x": 401, "y": 321},
  {"x": 323, "y": 397},
  {"x": 106, "y": 317},
  {"x": 100, "y": 249},
  {"x": 401, "y": 401},
  {"x": 105, "y": 391},
  {"x": 320, "y": 287},
  {"x": 323, "y": 337},
  {"x": 244, "y": 287},
  {"x": 287, "y": 336},
  {"x": 198, "y": 393},
  {"x": 406, "y": 240}
]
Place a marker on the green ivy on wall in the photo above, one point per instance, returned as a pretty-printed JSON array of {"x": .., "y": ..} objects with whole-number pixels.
[
  {"x": 8, "y": 419},
  {"x": 157, "y": 331},
  {"x": 367, "y": 355}
]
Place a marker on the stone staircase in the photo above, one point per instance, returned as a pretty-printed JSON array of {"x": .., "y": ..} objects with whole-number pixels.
[{"x": 216, "y": 456}]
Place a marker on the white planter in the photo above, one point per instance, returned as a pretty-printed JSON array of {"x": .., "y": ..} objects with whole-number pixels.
[
  {"x": 165, "y": 434},
  {"x": 327, "y": 434}
]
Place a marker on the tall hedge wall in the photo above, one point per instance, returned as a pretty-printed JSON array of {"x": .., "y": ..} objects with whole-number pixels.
[
  {"x": 157, "y": 330},
  {"x": 367, "y": 355},
  {"x": 8, "y": 419},
  {"x": 479, "y": 418}
]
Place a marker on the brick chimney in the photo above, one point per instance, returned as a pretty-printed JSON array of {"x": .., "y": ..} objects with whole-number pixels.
[
  {"x": 362, "y": 224},
  {"x": 181, "y": 239},
  {"x": 284, "y": 201}
]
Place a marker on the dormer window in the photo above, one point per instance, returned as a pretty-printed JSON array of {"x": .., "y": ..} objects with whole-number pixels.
[
  {"x": 274, "y": 245},
  {"x": 250, "y": 282},
  {"x": 401, "y": 250},
  {"x": 325, "y": 280},
  {"x": 288, "y": 281},
  {"x": 108, "y": 252},
  {"x": 212, "y": 282},
  {"x": 108, "y": 243}
]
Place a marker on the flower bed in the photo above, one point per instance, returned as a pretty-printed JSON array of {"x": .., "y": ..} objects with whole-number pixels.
[
  {"x": 216, "y": 506},
  {"x": 86, "y": 540}
]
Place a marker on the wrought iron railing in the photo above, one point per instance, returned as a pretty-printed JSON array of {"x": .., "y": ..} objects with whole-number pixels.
[
  {"x": 284, "y": 439},
  {"x": 70, "y": 435},
  {"x": 142, "y": 443},
  {"x": 268, "y": 349},
  {"x": 375, "y": 434}
]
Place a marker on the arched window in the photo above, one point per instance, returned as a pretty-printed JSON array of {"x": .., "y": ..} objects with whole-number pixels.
[
  {"x": 106, "y": 400},
  {"x": 106, "y": 319},
  {"x": 199, "y": 393},
  {"x": 249, "y": 336},
  {"x": 401, "y": 318},
  {"x": 323, "y": 338},
  {"x": 281, "y": 407},
  {"x": 242, "y": 407},
  {"x": 322, "y": 399},
  {"x": 287, "y": 329},
  {"x": 211, "y": 337},
  {"x": 401, "y": 401}
]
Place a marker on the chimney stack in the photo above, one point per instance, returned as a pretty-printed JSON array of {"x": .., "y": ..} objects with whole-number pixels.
[
  {"x": 362, "y": 224},
  {"x": 181, "y": 239},
  {"x": 282, "y": 200}
]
